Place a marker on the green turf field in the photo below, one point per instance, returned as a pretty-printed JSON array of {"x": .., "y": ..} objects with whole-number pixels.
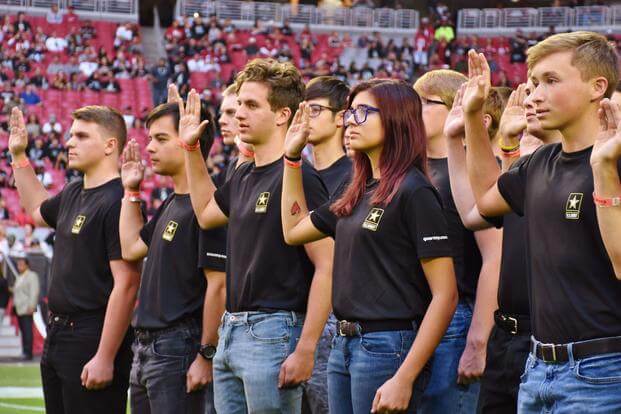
[{"x": 26, "y": 377}]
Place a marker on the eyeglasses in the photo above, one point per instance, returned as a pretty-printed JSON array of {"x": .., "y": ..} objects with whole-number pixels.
[
  {"x": 360, "y": 113},
  {"x": 431, "y": 102},
  {"x": 315, "y": 110}
]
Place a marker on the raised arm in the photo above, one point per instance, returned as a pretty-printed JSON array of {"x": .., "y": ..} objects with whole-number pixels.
[
  {"x": 296, "y": 224},
  {"x": 458, "y": 174},
  {"x": 201, "y": 185},
  {"x": 604, "y": 162},
  {"x": 131, "y": 221},
  {"x": 483, "y": 170},
  {"x": 31, "y": 192},
  {"x": 513, "y": 126}
]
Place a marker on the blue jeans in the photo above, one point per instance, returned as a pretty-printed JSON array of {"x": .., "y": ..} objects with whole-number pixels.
[
  {"x": 316, "y": 388},
  {"x": 443, "y": 395},
  {"x": 359, "y": 365},
  {"x": 590, "y": 385},
  {"x": 251, "y": 349},
  {"x": 158, "y": 376}
]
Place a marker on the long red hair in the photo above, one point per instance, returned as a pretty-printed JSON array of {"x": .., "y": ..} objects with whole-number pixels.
[{"x": 404, "y": 144}]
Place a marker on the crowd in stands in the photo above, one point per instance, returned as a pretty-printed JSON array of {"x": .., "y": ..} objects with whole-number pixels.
[{"x": 52, "y": 64}]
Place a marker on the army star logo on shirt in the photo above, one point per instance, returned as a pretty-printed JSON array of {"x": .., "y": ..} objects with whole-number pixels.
[
  {"x": 572, "y": 208},
  {"x": 373, "y": 219},
  {"x": 77, "y": 224},
  {"x": 170, "y": 230},
  {"x": 261, "y": 206}
]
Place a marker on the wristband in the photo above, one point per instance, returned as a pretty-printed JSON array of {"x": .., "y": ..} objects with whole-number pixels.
[
  {"x": 293, "y": 163},
  {"x": 187, "y": 147},
  {"x": 511, "y": 154},
  {"x": 241, "y": 147},
  {"x": 509, "y": 149},
  {"x": 132, "y": 196},
  {"x": 607, "y": 202},
  {"x": 20, "y": 164}
]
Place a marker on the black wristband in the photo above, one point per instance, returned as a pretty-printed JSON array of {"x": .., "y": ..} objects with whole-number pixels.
[{"x": 293, "y": 159}]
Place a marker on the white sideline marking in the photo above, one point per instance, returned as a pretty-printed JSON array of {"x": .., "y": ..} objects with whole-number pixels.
[
  {"x": 22, "y": 407},
  {"x": 21, "y": 392}
]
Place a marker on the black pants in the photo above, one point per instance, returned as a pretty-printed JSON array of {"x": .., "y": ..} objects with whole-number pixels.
[
  {"x": 25, "y": 327},
  {"x": 506, "y": 358},
  {"x": 70, "y": 344}
]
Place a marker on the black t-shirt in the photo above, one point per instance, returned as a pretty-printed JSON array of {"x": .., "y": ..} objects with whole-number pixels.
[
  {"x": 336, "y": 174},
  {"x": 574, "y": 291},
  {"x": 263, "y": 272},
  {"x": 172, "y": 285},
  {"x": 87, "y": 239},
  {"x": 377, "y": 272},
  {"x": 466, "y": 255}
]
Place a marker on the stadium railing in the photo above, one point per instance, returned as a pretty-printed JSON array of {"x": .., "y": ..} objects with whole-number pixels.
[
  {"x": 113, "y": 10},
  {"x": 354, "y": 20},
  {"x": 605, "y": 19}
]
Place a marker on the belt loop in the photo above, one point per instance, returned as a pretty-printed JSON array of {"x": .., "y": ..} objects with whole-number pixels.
[
  {"x": 245, "y": 318},
  {"x": 570, "y": 354},
  {"x": 294, "y": 318}
]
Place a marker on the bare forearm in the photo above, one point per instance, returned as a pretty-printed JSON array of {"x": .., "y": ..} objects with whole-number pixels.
[
  {"x": 483, "y": 170},
  {"x": 293, "y": 201},
  {"x": 130, "y": 224},
  {"x": 31, "y": 192},
  {"x": 430, "y": 333},
  {"x": 200, "y": 184},
  {"x": 460, "y": 187},
  {"x": 607, "y": 185},
  {"x": 486, "y": 303},
  {"x": 118, "y": 315},
  {"x": 213, "y": 308},
  {"x": 319, "y": 306}
]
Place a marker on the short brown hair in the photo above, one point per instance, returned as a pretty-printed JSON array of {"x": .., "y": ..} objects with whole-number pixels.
[
  {"x": 443, "y": 83},
  {"x": 593, "y": 55},
  {"x": 107, "y": 118},
  {"x": 494, "y": 106},
  {"x": 172, "y": 109},
  {"x": 286, "y": 88},
  {"x": 329, "y": 87}
]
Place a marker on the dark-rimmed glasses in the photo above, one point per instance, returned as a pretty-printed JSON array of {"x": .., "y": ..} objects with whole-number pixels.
[
  {"x": 426, "y": 101},
  {"x": 315, "y": 110},
  {"x": 360, "y": 113}
]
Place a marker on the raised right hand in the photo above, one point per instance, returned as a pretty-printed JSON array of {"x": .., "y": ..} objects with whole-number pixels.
[
  {"x": 132, "y": 170},
  {"x": 454, "y": 124},
  {"x": 18, "y": 138},
  {"x": 190, "y": 125},
  {"x": 297, "y": 135},
  {"x": 479, "y": 82},
  {"x": 513, "y": 120}
]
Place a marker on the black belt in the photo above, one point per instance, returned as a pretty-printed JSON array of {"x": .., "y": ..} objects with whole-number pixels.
[
  {"x": 146, "y": 334},
  {"x": 70, "y": 319},
  {"x": 512, "y": 323},
  {"x": 346, "y": 328},
  {"x": 584, "y": 349}
]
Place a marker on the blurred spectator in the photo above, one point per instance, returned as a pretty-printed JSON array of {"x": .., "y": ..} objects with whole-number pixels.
[
  {"x": 518, "y": 45},
  {"x": 21, "y": 24},
  {"x": 445, "y": 31},
  {"x": 25, "y": 299},
  {"x": 159, "y": 77},
  {"x": 4, "y": 215},
  {"x": 52, "y": 125},
  {"x": 44, "y": 176},
  {"x": 54, "y": 15},
  {"x": 71, "y": 17},
  {"x": 55, "y": 43},
  {"x": 30, "y": 96},
  {"x": 22, "y": 218},
  {"x": 33, "y": 127}
]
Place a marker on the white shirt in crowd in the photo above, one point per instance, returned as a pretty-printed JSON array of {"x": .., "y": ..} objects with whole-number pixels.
[
  {"x": 48, "y": 127},
  {"x": 55, "y": 44}
]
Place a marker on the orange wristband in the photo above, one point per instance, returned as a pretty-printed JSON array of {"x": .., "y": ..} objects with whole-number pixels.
[
  {"x": 187, "y": 147},
  {"x": 133, "y": 196},
  {"x": 511, "y": 154},
  {"x": 21, "y": 164},
  {"x": 293, "y": 164}
]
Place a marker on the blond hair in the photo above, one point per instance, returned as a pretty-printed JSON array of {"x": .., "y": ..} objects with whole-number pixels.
[
  {"x": 443, "y": 83},
  {"x": 593, "y": 55},
  {"x": 286, "y": 88},
  {"x": 108, "y": 119},
  {"x": 230, "y": 90}
]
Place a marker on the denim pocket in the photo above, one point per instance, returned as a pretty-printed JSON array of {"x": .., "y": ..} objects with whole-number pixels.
[
  {"x": 530, "y": 363},
  {"x": 174, "y": 346},
  {"x": 458, "y": 328},
  {"x": 270, "y": 330},
  {"x": 602, "y": 369},
  {"x": 386, "y": 344}
]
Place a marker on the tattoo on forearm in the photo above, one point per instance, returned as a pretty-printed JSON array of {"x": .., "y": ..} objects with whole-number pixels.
[{"x": 295, "y": 209}]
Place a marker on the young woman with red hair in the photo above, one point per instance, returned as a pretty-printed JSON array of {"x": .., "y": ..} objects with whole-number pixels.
[{"x": 393, "y": 287}]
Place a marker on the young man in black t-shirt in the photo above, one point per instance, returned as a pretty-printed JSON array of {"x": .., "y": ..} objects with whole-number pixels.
[
  {"x": 86, "y": 357},
  {"x": 572, "y": 258},
  {"x": 327, "y": 100},
  {"x": 182, "y": 289},
  {"x": 267, "y": 343},
  {"x": 459, "y": 360},
  {"x": 509, "y": 341}
]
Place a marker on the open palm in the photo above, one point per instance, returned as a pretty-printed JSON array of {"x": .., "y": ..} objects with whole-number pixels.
[
  {"x": 297, "y": 135},
  {"x": 454, "y": 124},
  {"x": 513, "y": 120},
  {"x": 479, "y": 82},
  {"x": 18, "y": 138},
  {"x": 132, "y": 170},
  {"x": 190, "y": 125},
  {"x": 607, "y": 146}
]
